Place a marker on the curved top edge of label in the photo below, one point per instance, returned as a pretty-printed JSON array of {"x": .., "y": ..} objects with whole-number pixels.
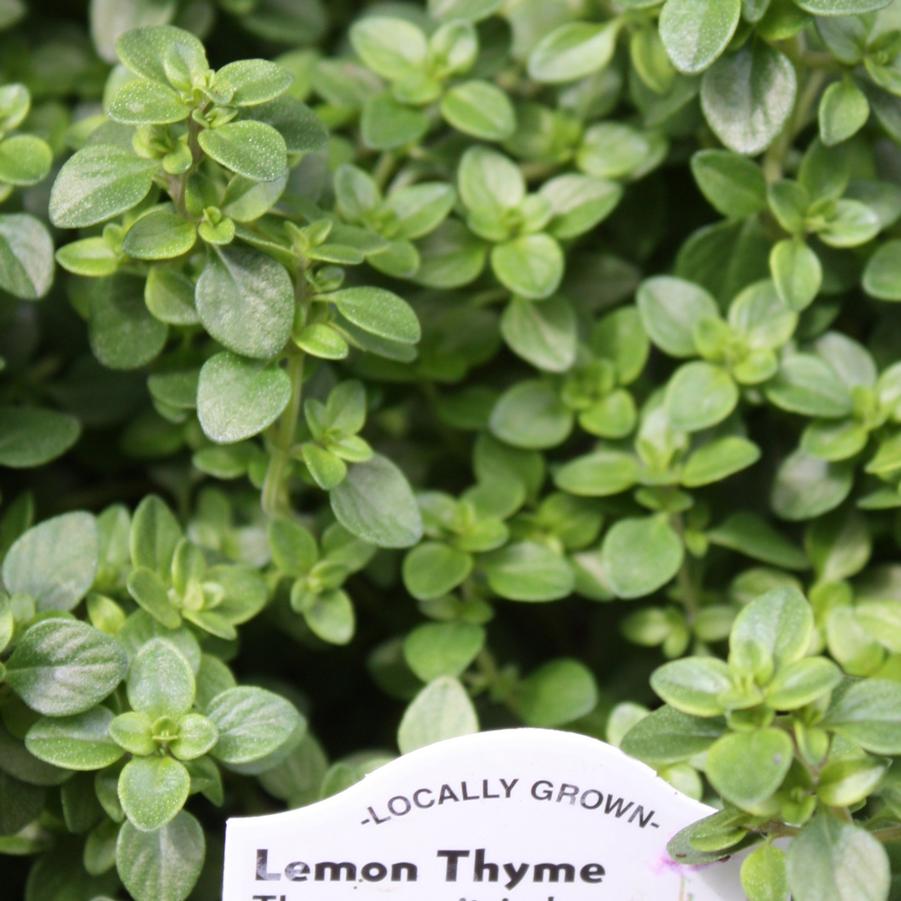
[{"x": 522, "y": 740}]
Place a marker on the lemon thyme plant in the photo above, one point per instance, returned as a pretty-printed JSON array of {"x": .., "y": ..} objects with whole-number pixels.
[{"x": 377, "y": 373}]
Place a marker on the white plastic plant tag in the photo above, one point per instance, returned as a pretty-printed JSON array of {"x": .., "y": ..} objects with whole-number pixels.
[{"x": 514, "y": 815}]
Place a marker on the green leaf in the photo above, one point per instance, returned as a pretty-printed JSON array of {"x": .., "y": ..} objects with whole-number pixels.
[
  {"x": 579, "y": 203},
  {"x": 868, "y": 712},
  {"x": 238, "y": 398},
  {"x": 750, "y": 534},
  {"x": 320, "y": 340},
  {"x": 169, "y": 296},
  {"x": 530, "y": 415},
  {"x": 846, "y": 36},
  {"x": 154, "y": 535},
  {"x": 711, "y": 839},
  {"x": 613, "y": 416},
  {"x": 331, "y": 617},
  {"x": 748, "y": 96},
  {"x": 24, "y": 160},
  {"x": 718, "y": 460},
  {"x": 375, "y": 503},
  {"x": 196, "y": 736},
  {"x": 806, "y": 384},
  {"x": 480, "y": 109},
  {"x": 556, "y": 693},
  {"x": 668, "y": 735},
  {"x": 764, "y": 874},
  {"x": 882, "y": 276},
  {"x": 882, "y": 620},
  {"x": 162, "y": 53},
  {"x": 252, "y": 149},
  {"x": 529, "y": 572},
  {"x": 489, "y": 182},
  {"x": 469, "y": 10},
  {"x": 834, "y": 860},
  {"x": 388, "y": 125},
  {"x": 620, "y": 337},
  {"x": 246, "y": 200},
  {"x": 699, "y": 396},
  {"x": 144, "y": 102},
  {"x": 760, "y": 317},
  {"x": 842, "y": 7},
  {"x": 617, "y": 150},
  {"x": 789, "y": 202},
  {"x": 250, "y": 82},
  {"x": 778, "y": 624},
  {"x": 849, "y": 224},
  {"x": 26, "y": 256},
  {"x": 831, "y": 440},
  {"x": 693, "y": 685},
  {"x": 162, "y": 865},
  {"x": 393, "y": 48},
  {"x": 797, "y": 273},
  {"x": 544, "y": 334},
  {"x": 442, "y": 649},
  {"x": 97, "y": 183},
  {"x": 91, "y": 257},
  {"x": 732, "y": 184},
  {"x": 806, "y": 487},
  {"x": 151, "y": 593},
  {"x": 378, "y": 312},
  {"x": 327, "y": 469},
  {"x": 122, "y": 332},
  {"x": 440, "y": 711},
  {"x": 20, "y": 804},
  {"x": 252, "y": 724},
  {"x": 54, "y": 562},
  {"x": 843, "y": 111},
  {"x": 245, "y": 300},
  {"x": 801, "y": 683},
  {"x": 839, "y": 546},
  {"x": 79, "y": 742},
  {"x": 747, "y": 768},
  {"x": 670, "y": 309},
  {"x": 696, "y": 32},
  {"x": 598, "y": 474},
  {"x": 159, "y": 235},
  {"x": 640, "y": 555},
  {"x": 843, "y": 783},
  {"x": 421, "y": 208},
  {"x": 133, "y": 732},
  {"x": 160, "y": 681},
  {"x": 61, "y": 667},
  {"x": 153, "y": 790},
  {"x": 293, "y": 547},
  {"x": 434, "y": 569},
  {"x": 530, "y": 266},
  {"x": 573, "y": 51}
]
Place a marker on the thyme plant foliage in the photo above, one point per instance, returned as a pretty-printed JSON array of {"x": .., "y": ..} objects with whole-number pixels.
[{"x": 377, "y": 373}]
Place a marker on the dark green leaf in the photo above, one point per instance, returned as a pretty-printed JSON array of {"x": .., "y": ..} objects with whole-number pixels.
[
  {"x": 63, "y": 667},
  {"x": 641, "y": 555},
  {"x": 748, "y": 96},
  {"x": 238, "y": 398},
  {"x": 246, "y": 301},
  {"x": 252, "y": 149},
  {"x": 529, "y": 572},
  {"x": 375, "y": 503},
  {"x": 97, "y": 183},
  {"x": 32, "y": 436},
  {"x": 695, "y": 32},
  {"x": 162, "y": 865}
]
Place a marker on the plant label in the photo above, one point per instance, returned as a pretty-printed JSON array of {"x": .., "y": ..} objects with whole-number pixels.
[{"x": 514, "y": 815}]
